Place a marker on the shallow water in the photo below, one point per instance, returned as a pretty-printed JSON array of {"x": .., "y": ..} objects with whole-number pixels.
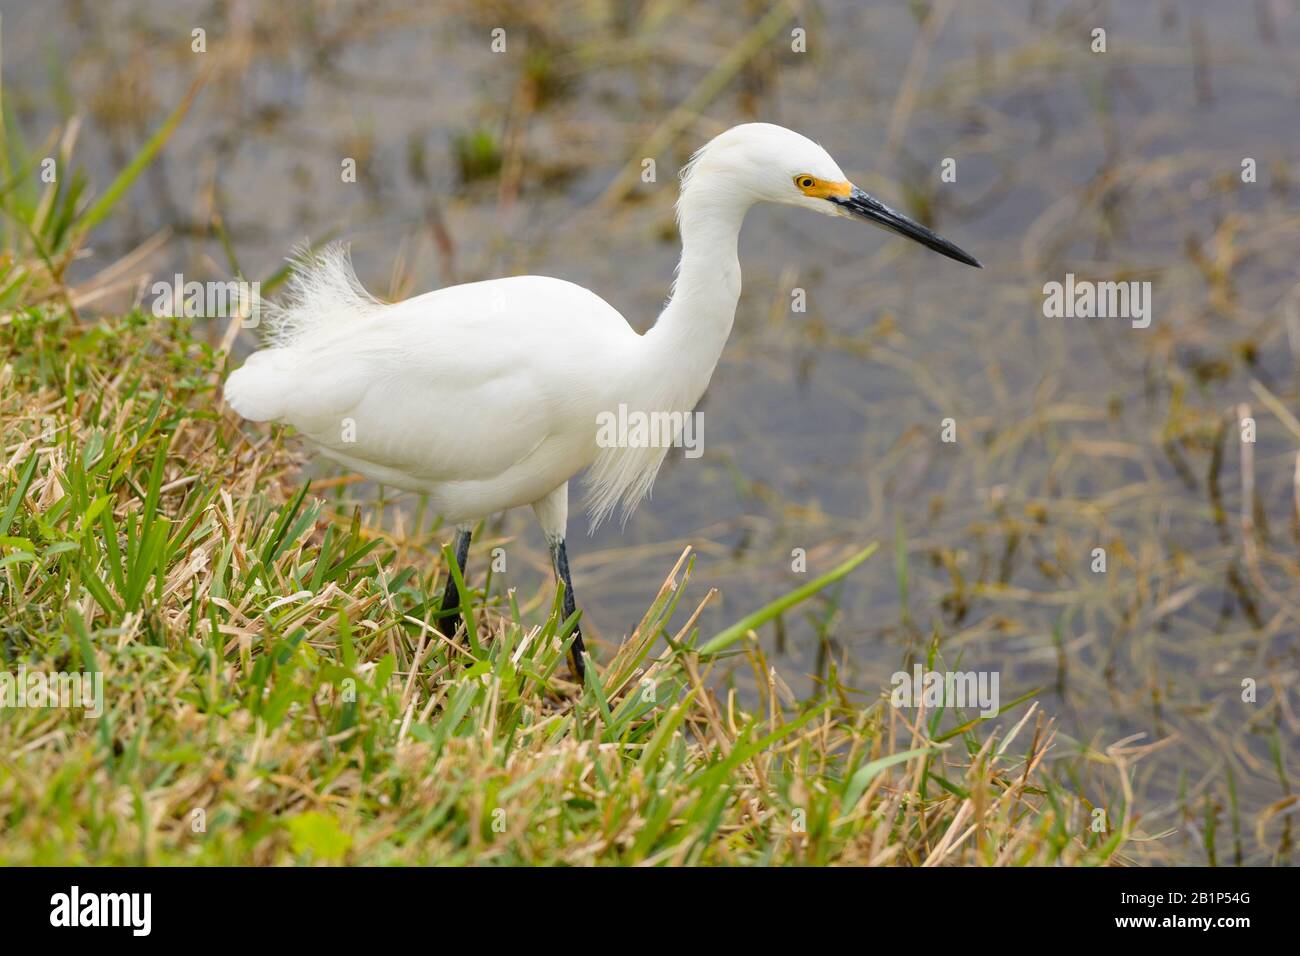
[{"x": 822, "y": 428}]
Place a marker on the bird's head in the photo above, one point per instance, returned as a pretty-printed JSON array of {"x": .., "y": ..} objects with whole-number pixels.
[{"x": 760, "y": 162}]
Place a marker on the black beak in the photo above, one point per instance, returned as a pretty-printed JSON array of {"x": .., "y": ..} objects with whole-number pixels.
[{"x": 864, "y": 207}]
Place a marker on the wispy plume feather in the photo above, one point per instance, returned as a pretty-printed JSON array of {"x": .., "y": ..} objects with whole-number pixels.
[{"x": 322, "y": 293}]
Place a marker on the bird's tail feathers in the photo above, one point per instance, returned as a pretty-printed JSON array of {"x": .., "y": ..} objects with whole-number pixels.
[
  {"x": 256, "y": 390},
  {"x": 322, "y": 293}
]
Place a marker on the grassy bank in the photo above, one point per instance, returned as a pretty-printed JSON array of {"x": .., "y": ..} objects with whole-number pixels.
[{"x": 275, "y": 692}]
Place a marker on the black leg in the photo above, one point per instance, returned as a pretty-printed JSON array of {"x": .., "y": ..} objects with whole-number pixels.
[
  {"x": 450, "y": 593},
  {"x": 560, "y": 558}
]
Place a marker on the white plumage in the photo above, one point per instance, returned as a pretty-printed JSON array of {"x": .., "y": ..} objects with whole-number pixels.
[
  {"x": 464, "y": 394},
  {"x": 486, "y": 396}
]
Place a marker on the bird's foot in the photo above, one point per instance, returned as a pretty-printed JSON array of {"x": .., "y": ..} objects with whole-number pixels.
[{"x": 448, "y": 626}]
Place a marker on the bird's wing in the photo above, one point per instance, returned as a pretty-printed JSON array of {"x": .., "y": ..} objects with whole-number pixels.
[{"x": 457, "y": 385}]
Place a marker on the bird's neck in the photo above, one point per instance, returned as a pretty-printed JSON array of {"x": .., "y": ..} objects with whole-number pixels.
[{"x": 693, "y": 328}]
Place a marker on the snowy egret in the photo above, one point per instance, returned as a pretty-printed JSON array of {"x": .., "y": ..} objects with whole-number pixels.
[{"x": 486, "y": 396}]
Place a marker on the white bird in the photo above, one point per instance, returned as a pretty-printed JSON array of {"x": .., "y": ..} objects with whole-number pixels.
[{"x": 486, "y": 396}]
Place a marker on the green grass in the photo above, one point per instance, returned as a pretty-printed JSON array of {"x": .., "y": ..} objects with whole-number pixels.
[{"x": 276, "y": 691}]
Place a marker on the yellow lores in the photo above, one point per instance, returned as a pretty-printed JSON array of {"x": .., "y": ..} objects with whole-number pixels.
[{"x": 821, "y": 188}]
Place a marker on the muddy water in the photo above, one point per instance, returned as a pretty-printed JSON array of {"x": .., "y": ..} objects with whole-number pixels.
[{"x": 822, "y": 428}]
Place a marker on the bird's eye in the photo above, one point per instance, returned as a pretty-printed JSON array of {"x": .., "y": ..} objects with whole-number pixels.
[{"x": 806, "y": 182}]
